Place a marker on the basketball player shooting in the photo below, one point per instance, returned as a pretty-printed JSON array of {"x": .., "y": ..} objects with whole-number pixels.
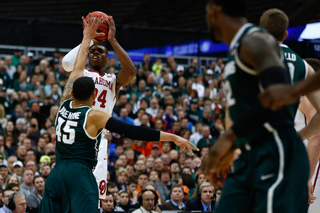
[
  {"x": 71, "y": 186},
  {"x": 107, "y": 86}
]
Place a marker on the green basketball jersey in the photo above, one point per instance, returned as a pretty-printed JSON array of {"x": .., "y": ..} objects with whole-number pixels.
[
  {"x": 298, "y": 68},
  {"x": 242, "y": 87},
  {"x": 73, "y": 141}
]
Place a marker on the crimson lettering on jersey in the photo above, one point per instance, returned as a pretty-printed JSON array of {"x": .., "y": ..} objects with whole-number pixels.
[{"x": 103, "y": 82}]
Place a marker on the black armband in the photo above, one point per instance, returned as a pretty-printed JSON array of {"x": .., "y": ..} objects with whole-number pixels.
[
  {"x": 274, "y": 75},
  {"x": 132, "y": 132},
  {"x": 258, "y": 115}
]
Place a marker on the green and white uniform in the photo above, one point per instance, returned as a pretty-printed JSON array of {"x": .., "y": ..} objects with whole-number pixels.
[
  {"x": 71, "y": 186},
  {"x": 271, "y": 174}
]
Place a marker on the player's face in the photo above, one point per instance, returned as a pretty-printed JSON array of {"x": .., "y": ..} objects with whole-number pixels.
[
  {"x": 98, "y": 57},
  {"x": 213, "y": 29}
]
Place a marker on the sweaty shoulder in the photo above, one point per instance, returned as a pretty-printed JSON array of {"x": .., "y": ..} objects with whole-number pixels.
[{"x": 260, "y": 51}]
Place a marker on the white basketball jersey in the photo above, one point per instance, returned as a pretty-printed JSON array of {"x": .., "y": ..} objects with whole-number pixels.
[
  {"x": 299, "y": 123},
  {"x": 106, "y": 90},
  {"x": 105, "y": 87}
]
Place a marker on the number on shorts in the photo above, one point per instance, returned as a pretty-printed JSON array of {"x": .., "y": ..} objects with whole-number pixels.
[{"x": 67, "y": 134}]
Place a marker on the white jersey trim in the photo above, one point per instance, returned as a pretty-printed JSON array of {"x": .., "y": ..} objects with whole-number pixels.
[
  {"x": 280, "y": 170},
  {"x": 307, "y": 69},
  {"x": 238, "y": 34},
  {"x": 84, "y": 127}
]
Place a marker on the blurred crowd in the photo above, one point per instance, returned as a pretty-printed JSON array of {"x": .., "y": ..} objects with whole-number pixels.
[{"x": 182, "y": 99}]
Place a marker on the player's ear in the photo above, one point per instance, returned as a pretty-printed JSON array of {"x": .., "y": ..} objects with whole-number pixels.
[{"x": 72, "y": 92}]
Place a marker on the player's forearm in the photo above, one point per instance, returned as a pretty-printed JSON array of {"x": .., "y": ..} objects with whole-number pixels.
[
  {"x": 124, "y": 58},
  {"x": 312, "y": 128},
  {"x": 69, "y": 59},
  {"x": 313, "y": 152},
  {"x": 82, "y": 55},
  {"x": 305, "y": 87}
]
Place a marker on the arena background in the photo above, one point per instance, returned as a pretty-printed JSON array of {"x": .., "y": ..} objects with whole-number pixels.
[{"x": 140, "y": 23}]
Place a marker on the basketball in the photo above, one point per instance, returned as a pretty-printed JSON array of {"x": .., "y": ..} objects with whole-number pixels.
[{"x": 103, "y": 26}]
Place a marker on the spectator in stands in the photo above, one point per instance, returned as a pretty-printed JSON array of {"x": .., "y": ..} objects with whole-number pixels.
[
  {"x": 148, "y": 202},
  {"x": 146, "y": 64},
  {"x": 132, "y": 190},
  {"x": 196, "y": 85},
  {"x": 114, "y": 156},
  {"x": 108, "y": 205},
  {"x": 196, "y": 162},
  {"x": 142, "y": 180},
  {"x": 149, "y": 164},
  {"x": 169, "y": 116},
  {"x": 4, "y": 173},
  {"x": 205, "y": 200},
  {"x": 122, "y": 103},
  {"x": 27, "y": 182},
  {"x": 165, "y": 183},
  {"x": 35, "y": 197},
  {"x": 153, "y": 109},
  {"x": 45, "y": 171},
  {"x": 124, "y": 201},
  {"x": 165, "y": 160},
  {"x": 145, "y": 120},
  {"x": 175, "y": 171},
  {"x": 10, "y": 161},
  {"x": 173, "y": 155},
  {"x": 140, "y": 166},
  {"x": 176, "y": 198},
  {"x": 154, "y": 177},
  {"x": 158, "y": 164},
  {"x": 113, "y": 189},
  {"x": 215, "y": 68},
  {"x": 206, "y": 139},
  {"x": 122, "y": 176},
  {"x": 194, "y": 113},
  {"x": 34, "y": 89},
  {"x": 206, "y": 117},
  {"x": 124, "y": 116},
  {"x": 5, "y": 198},
  {"x": 17, "y": 169}
]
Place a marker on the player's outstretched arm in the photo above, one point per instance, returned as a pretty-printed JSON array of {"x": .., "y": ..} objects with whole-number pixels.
[
  {"x": 310, "y": 107},
  {"x": 89, "y": 32},
  {"x": 98, "y": 119},
  {"x": 279, "y": 95},
  {"x": 126, "y": 74}
]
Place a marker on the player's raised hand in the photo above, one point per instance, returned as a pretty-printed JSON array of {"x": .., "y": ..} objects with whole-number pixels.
[
  {"x": 112, "y": 28},
  {"x": 185, "y": 144},
  {"x": 277, "y": 96},
  {"x": 90, "y": 27}
]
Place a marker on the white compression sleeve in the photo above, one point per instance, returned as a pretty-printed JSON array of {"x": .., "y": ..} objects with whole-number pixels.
[{"x": 69, "y": 59}]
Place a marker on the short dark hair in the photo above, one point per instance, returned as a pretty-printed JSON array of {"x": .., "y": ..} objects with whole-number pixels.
[
  {"x": 83, "y": 88},
  {"x": 276, "y": 22},
  {"x": 233, "y": 8},
  {"x": 177, "y": 186},
  {"x": 35, "y": 177},
  {"x": 111, "y": 185},
  {"x": 165, "y": 170},
  {"x": 314, "y": 63},
  {"x": 132, "y": 180},
  {"x": 101, "y": 44}
]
